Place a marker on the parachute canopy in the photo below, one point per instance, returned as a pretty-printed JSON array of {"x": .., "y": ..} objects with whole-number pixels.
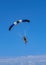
[{"x": 19, "y": 21}]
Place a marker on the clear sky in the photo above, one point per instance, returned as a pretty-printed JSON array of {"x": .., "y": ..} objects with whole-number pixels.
[{"x": 11, "y": 42}]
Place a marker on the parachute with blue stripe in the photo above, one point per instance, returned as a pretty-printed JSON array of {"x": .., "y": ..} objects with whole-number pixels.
[{"x": 17, "y": 22}]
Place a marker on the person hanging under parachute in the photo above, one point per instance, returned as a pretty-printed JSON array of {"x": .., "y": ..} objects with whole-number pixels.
[{"x": 25, "y": 39}]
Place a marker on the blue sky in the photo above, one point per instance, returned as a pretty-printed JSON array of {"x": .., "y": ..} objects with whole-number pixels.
[{"x": 11, "y": 42}]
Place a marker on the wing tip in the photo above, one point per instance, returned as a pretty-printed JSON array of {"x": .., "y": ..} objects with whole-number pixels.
[{"x": 11, "y": 27}]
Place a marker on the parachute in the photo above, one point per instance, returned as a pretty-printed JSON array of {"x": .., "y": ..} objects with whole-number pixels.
[{"x": 17, "y": 22}]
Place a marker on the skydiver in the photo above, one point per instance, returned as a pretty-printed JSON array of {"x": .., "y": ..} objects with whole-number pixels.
[{"x": 25, "y": 39}]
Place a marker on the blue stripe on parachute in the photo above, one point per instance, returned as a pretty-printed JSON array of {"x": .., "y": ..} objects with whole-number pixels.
[
  {"x": 25, "y": 20},
  {"x": 11, "y": 26}
]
